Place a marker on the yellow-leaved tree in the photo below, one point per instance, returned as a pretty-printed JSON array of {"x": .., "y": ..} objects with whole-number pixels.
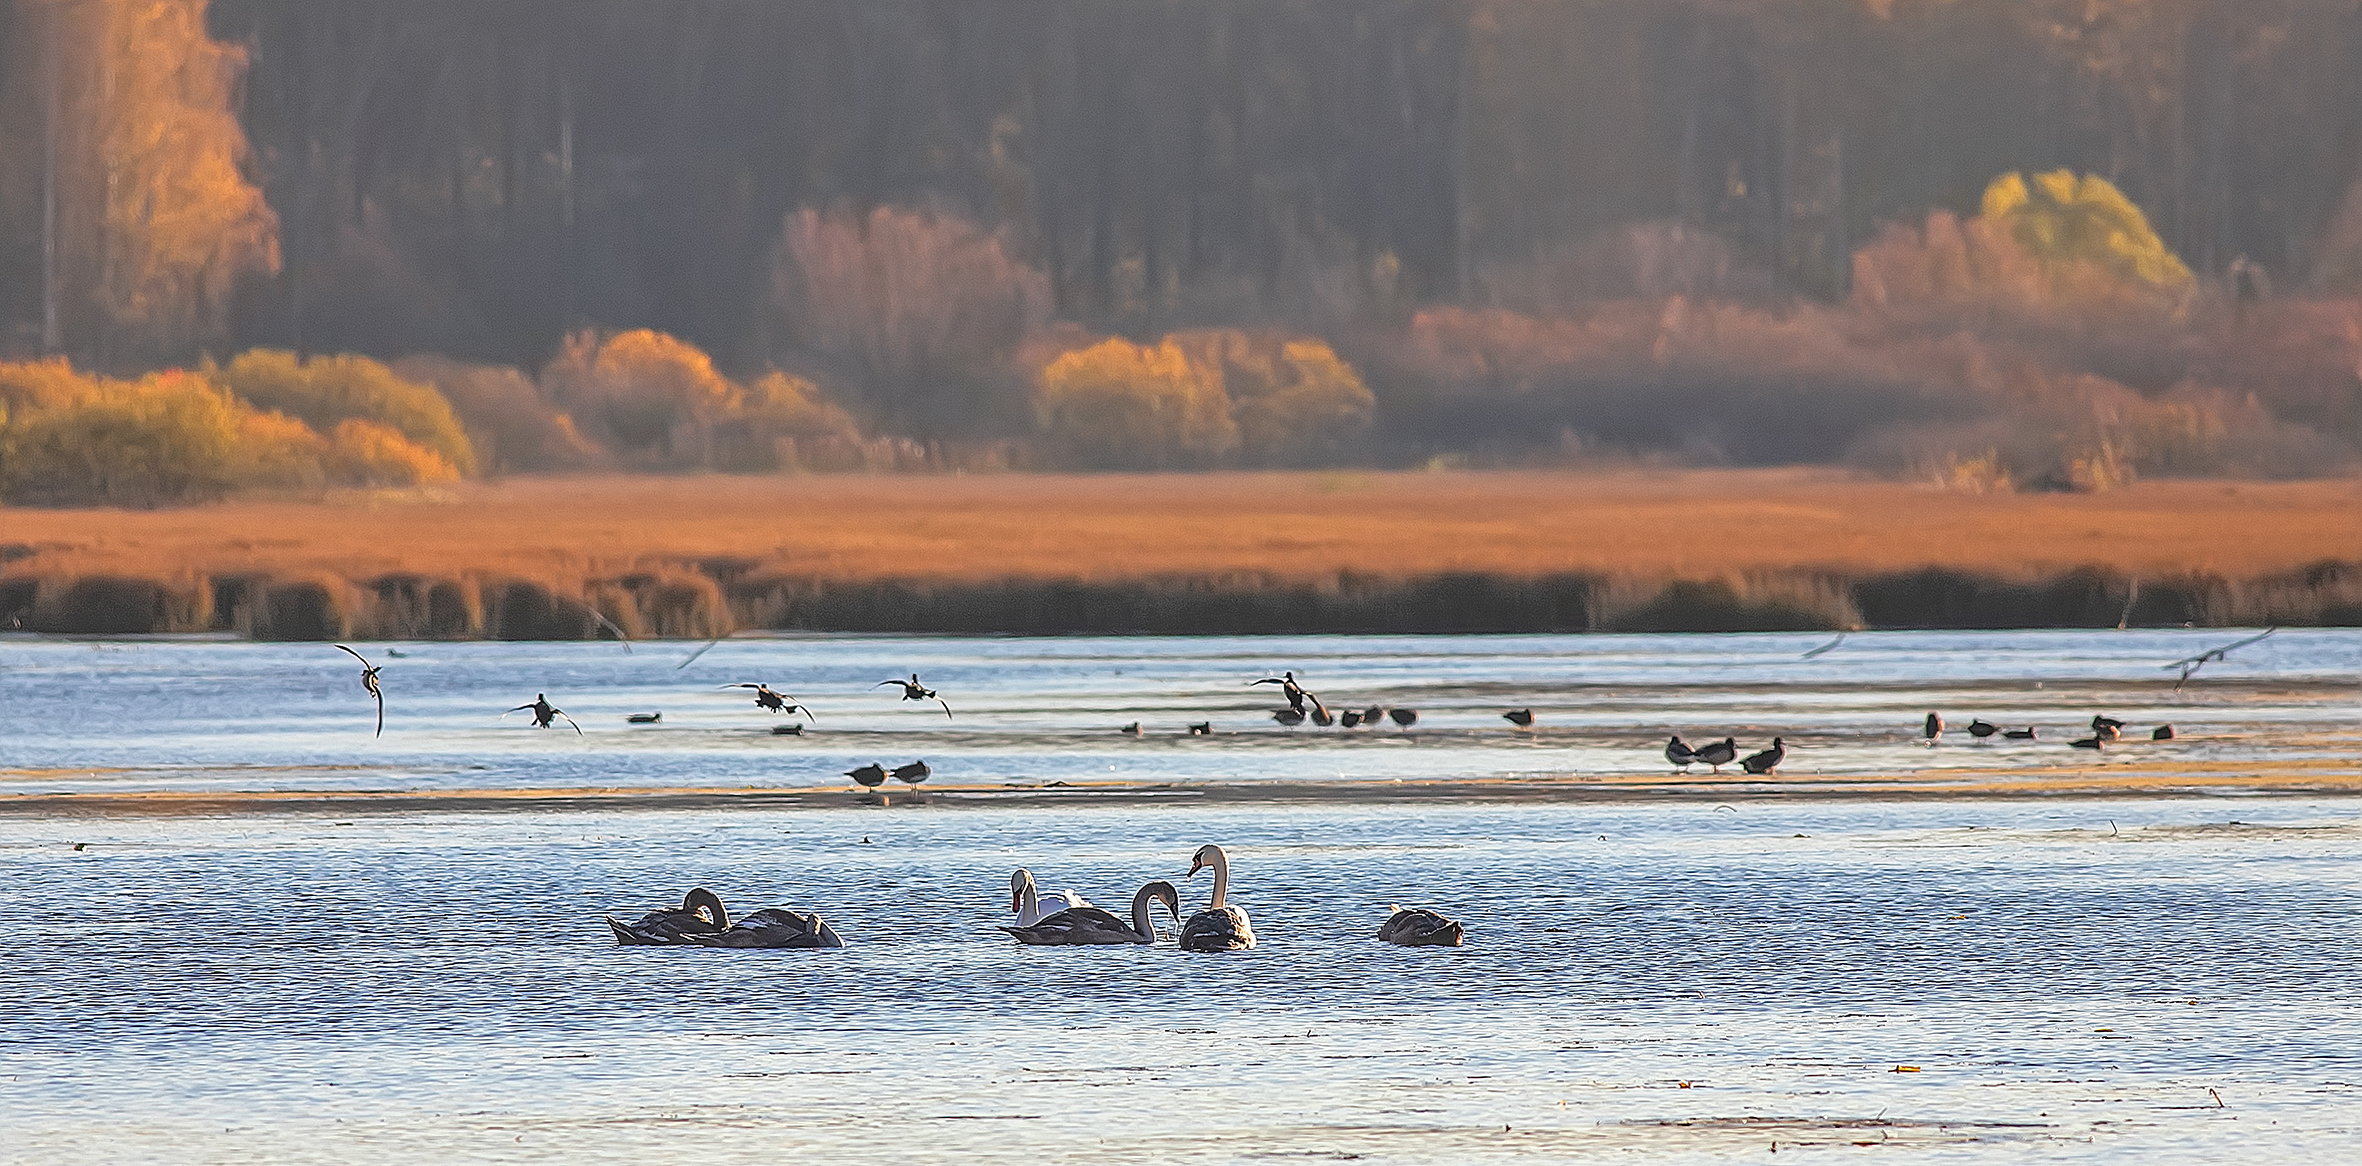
[
  {"x": 2063, "y": 221},
  {"x": 1294, "y": 400},
  {"x": 1120, "y": 405},
  {"x": 326, "y": 391},
  {"x": 170, "y": 437}
]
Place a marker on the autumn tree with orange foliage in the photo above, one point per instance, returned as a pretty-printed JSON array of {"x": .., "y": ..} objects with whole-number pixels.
[
  {"x": 158, "y": 219},
  {"x": 659, "y": 403}
]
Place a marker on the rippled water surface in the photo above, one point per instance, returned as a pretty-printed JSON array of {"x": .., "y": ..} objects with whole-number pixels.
[
  {"x": 1973, "y": 980},
  {"x": 140, "y": 715}
]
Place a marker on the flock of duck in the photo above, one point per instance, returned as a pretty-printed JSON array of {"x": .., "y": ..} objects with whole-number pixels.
[
  {"x": 1303, "y": 705},
  {"x": 1056, "y": 919}
]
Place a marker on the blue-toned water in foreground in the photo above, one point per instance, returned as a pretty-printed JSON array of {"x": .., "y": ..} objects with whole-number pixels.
[{"x": 2152, "y": 980}]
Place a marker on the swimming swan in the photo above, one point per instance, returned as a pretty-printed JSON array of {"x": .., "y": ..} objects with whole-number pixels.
[
  {"x": 700, "y": 913},
  {"x": 701, "y": 921},
  {"x": 1094, "y": 925},
  {"x": 1219, "y": 927},
  {"x": 1419, "y": 927},
  {"x": 1032, "y": 908}
]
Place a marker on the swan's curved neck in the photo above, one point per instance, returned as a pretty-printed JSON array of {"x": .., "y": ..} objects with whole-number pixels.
[
  {"x": 1142, "y": 922},
  {"x": 1221, "y": 865},
  {"x": 1029, "y": 903}
]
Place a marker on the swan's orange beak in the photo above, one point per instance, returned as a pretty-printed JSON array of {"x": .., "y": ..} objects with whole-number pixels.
[
  {"x": 1196, "y": 865},
  {"x": 1016, "y": 901}
]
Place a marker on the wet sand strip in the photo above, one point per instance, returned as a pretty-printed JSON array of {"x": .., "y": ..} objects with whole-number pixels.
[{"x": 2309, "y": 778}]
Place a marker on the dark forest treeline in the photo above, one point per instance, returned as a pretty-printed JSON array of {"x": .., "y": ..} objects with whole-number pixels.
[
  {"x": 476, "y": 179},
  {"x": 1536, "y": 228}
]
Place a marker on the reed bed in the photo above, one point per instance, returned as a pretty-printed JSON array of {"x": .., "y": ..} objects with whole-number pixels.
[{"x": 693, "y": 557}]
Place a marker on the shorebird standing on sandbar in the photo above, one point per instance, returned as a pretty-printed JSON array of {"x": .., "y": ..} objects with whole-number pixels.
[
  {"x": 1679, "y": 755},
  {"x": 1718, "y": 753}
]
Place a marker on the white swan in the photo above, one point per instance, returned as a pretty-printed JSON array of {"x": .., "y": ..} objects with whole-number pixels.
[
  {"x": 1219, "y": 927},
  {"x": 1031, "y": 906}
]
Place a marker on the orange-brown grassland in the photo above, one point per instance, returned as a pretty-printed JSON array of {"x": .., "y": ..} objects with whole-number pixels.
[{"x": 1340, "y": 550}]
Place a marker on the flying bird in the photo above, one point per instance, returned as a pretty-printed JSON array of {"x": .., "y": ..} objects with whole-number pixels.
[
  {"x": 2191, "y": 664},
  {"x": 692, "y": 657},
  {"x": 1288, "y": 688},
  {"x": 1768, "y": 760},
  {"x": 777, "y": 702},
  {"x": 610, "y": 626},
  {"x": 913, "y": 690},
  {"x": 544, "y": 713},
  {"x": 369, "y": 681}
]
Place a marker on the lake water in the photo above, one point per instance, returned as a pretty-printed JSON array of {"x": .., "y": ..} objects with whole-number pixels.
[
  {"x": 2153, "y": 979},
  {"x": 144, "y": 715}
]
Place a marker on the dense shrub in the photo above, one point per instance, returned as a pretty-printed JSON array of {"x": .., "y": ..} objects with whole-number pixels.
[
  {"x": 1294, "y": 401},
  {"x": 324, "y": 391},
  {"x": 659, "y": 403},
  {"x": 169, "y": 437},
  {"x": 1120, "y": 405},
  {"x": 175, "y": 437},
  {"x": 510, "y": 422}
]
